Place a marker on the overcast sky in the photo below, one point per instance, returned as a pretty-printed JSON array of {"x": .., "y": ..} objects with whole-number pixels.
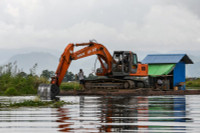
[{"x": 146, "y": 25}]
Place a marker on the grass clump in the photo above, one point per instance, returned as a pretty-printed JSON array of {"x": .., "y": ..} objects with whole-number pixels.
[{"x": 70, "y": 86}]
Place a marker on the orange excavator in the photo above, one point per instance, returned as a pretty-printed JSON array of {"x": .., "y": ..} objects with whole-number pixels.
[{"x": 120, "y": 71}]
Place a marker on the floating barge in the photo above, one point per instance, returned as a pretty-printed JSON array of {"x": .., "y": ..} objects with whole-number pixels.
[
  {"x": 170, "y": 68},
  {"x": 123, "y": 92}
]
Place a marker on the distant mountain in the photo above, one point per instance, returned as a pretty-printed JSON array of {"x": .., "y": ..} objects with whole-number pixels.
[
  {"x": 27, "y": 57},
  {"x": 50, "y": 62},
  {"x": 44, "y": 61},
  {"x": 6, "y": 54}
]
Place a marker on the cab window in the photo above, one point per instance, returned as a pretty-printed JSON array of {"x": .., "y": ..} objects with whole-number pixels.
[{"x": 135, "y": 62}]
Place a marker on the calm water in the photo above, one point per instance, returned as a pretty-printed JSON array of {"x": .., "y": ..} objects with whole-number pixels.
[{"x": 106, "y": 114}]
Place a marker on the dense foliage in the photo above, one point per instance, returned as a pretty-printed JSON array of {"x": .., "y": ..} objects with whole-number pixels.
[
  {"x": 15, "y": 82},
  {"x": 69, "y": 76},
  {"x": 47, "y": 74}
]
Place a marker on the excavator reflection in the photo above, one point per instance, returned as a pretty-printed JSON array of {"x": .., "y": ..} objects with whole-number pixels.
[{"x": 122, "y": 114}]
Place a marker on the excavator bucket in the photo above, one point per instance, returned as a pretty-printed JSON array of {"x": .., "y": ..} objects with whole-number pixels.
[{"x": 48, "y": 91}]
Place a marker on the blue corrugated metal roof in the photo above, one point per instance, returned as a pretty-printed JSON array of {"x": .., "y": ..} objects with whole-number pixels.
[{"x": 166, "y": 58}]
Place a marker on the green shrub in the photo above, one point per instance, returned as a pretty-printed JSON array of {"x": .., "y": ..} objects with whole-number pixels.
[
  {"x": 70, "y": 86},
  {"x": 15, "y": 82},
  {"x": 19, "y": 85},
  {"x": 11, "y": 92}
]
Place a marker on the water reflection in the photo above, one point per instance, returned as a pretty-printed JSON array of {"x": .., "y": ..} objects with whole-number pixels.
[
  {"x": 120, "y": 114},
  {"x": 106, "y": 114},
  {"x": 62, "y": 119},
  {"x": 167, "y": 110}
]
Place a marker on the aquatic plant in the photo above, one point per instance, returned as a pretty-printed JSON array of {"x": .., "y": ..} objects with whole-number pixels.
[{"x": 36, "y": 103}]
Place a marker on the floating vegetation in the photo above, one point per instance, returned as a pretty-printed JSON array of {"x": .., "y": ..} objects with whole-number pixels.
[{"x": 36, "y": 103}]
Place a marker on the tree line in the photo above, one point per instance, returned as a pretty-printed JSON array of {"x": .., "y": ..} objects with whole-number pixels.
[
  {"x": 14, "y": 81},
  {"x": 69, "y": 76}
]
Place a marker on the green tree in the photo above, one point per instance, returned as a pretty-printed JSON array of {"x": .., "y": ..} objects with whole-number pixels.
[
  {"x": 33, "y": 69},
  {"x": 22, "y": 74},
  {"x": 69, "y": 76},
  {"x": 47, "y": 74},
  {"x": 91, "y": 76}
]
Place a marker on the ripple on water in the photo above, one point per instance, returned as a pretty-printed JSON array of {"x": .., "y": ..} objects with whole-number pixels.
[{"x": 106, "y": 114}]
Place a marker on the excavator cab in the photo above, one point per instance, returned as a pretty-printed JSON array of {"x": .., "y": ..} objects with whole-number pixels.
[{"x": 124, "y": 63}]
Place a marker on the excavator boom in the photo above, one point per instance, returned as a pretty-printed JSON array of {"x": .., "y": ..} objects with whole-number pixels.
[{"x": 90, "y": 49}]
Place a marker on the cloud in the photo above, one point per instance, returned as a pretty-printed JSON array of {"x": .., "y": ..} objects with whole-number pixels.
[
  {"x": 132, "y": 25},
  {"x": 168, "y": 27},
  {"x": 13, "y": 11}
]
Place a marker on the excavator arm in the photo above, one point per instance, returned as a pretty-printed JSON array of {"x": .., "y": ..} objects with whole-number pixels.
[{"x": 90, "y": 48}]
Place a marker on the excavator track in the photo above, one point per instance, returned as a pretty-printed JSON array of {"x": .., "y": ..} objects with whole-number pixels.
[{"x": 111, "y": 84}]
